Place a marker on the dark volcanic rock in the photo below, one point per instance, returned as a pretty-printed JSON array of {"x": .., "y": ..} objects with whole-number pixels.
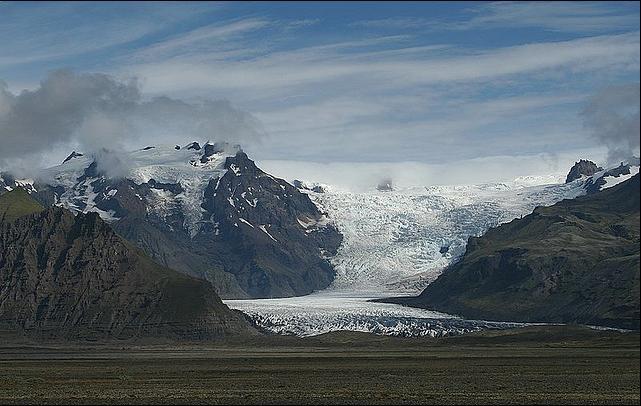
[
  {"x": 73, "y": 277},
  {"x": 300, "y": 185},
  {"x": 574, "y": 262},
  {"x": 582, "y": 168},
  {"x": 174, "y": 188},
  {"x": 217, "y": 148},
  {"x": 267, "y": 233}
]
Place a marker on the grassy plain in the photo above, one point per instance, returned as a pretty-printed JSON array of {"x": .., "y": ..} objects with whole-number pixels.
[{"x": 536, "y": 365}]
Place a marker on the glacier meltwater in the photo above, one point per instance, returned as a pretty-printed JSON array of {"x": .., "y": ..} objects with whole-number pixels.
[{"x": 395, "y": 243}]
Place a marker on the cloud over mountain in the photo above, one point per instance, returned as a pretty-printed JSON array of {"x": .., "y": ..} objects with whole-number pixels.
[{"x": 95, "y": 111}]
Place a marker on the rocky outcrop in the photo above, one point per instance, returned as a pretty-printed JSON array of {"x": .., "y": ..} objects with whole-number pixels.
[
  {"x": 574, "y": 262},
  {"x": 582, "y": 168},
  {"x": 219, "y": 147},
  {"x": 194, "y": 145},
  {"x": 71, "y": 156},
  {"x": 73, "y": 277},
  {"x": 316, "y": 188},
  {"x": 385, "y": 185}
]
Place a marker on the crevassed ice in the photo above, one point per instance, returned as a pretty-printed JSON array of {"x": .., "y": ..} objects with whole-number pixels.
[{"x": 399, "y": 241}]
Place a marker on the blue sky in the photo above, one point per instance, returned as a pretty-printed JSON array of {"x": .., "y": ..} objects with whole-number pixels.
[{"x": 334, "y": 83}]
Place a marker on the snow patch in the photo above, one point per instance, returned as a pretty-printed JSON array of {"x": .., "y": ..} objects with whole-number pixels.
[
  {"x": 235, "y": 169},
  {"x": 246, "y": 222},
  {"x": 613, "y": 181},
  {"x": 264, "y": 230}
]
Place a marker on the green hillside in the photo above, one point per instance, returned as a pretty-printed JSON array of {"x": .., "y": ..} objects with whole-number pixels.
[{"x": 17, "y": 203}]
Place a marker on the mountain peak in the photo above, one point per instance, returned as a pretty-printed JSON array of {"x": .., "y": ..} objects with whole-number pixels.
[
  {"x": 581, "y": 168},
  {"x": 205, "y": 209},
  {"x": 385, "y": 185},
  {"x": 210, "y": 149}
]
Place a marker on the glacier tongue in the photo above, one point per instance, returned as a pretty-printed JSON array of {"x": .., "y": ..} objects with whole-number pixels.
[{"x": 327, "y": 311}]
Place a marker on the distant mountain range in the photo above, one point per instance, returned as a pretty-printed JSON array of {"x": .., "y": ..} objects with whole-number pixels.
[
  {"x": 576, "y": 261},
  {"x": 73, "y": 277},
  {"x": 207, "y": 211}
]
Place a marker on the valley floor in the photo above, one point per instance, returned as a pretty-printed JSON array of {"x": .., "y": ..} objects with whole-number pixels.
[{"x": 533, "y": 365}]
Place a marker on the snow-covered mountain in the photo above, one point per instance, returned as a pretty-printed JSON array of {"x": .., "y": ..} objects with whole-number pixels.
[{"x": 204, "y": 210}]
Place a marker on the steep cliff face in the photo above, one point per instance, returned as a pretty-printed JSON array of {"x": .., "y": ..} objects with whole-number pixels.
[
  {"x": 575, "y": 261},
  {"x": 73, "y": 277}
]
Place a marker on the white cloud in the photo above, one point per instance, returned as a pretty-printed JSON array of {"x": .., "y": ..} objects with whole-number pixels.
[
  {"x": 566, "y": 16},
  {"x": 202, "y": 38},
  {"x": 354, "y": 98},
  {"x": 559, "y": 16},
  {"x": 359, "y": 176},
  {"x": 46, "y": 31},
  {"x": 396, "y": 89},
  {"x": 281, "y": 72}
]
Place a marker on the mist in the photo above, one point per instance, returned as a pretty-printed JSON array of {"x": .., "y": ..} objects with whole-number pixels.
[
  {"x": 612, "y": 119},
  {"x": 364, "y": 176},
  {"x": 102, "y": 115}
]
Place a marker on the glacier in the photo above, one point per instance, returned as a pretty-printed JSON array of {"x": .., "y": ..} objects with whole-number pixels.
[
  {"x": 399, "y": 241},
  {"x": 394, "y": 244}
]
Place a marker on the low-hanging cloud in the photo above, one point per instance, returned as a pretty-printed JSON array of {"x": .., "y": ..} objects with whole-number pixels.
[
  {"x": 102, "y": 115},
  {"x": 612, "y": 118}
]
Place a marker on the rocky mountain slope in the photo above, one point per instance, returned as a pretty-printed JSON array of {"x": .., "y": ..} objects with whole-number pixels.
[
  {"x": 72, "y": 277},
  {"x": 574, "y": 261},
  {"x": 203, "y": 210}
]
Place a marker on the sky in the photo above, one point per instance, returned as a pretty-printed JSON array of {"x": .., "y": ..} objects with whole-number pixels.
[{"x": 322, "y": 89}]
